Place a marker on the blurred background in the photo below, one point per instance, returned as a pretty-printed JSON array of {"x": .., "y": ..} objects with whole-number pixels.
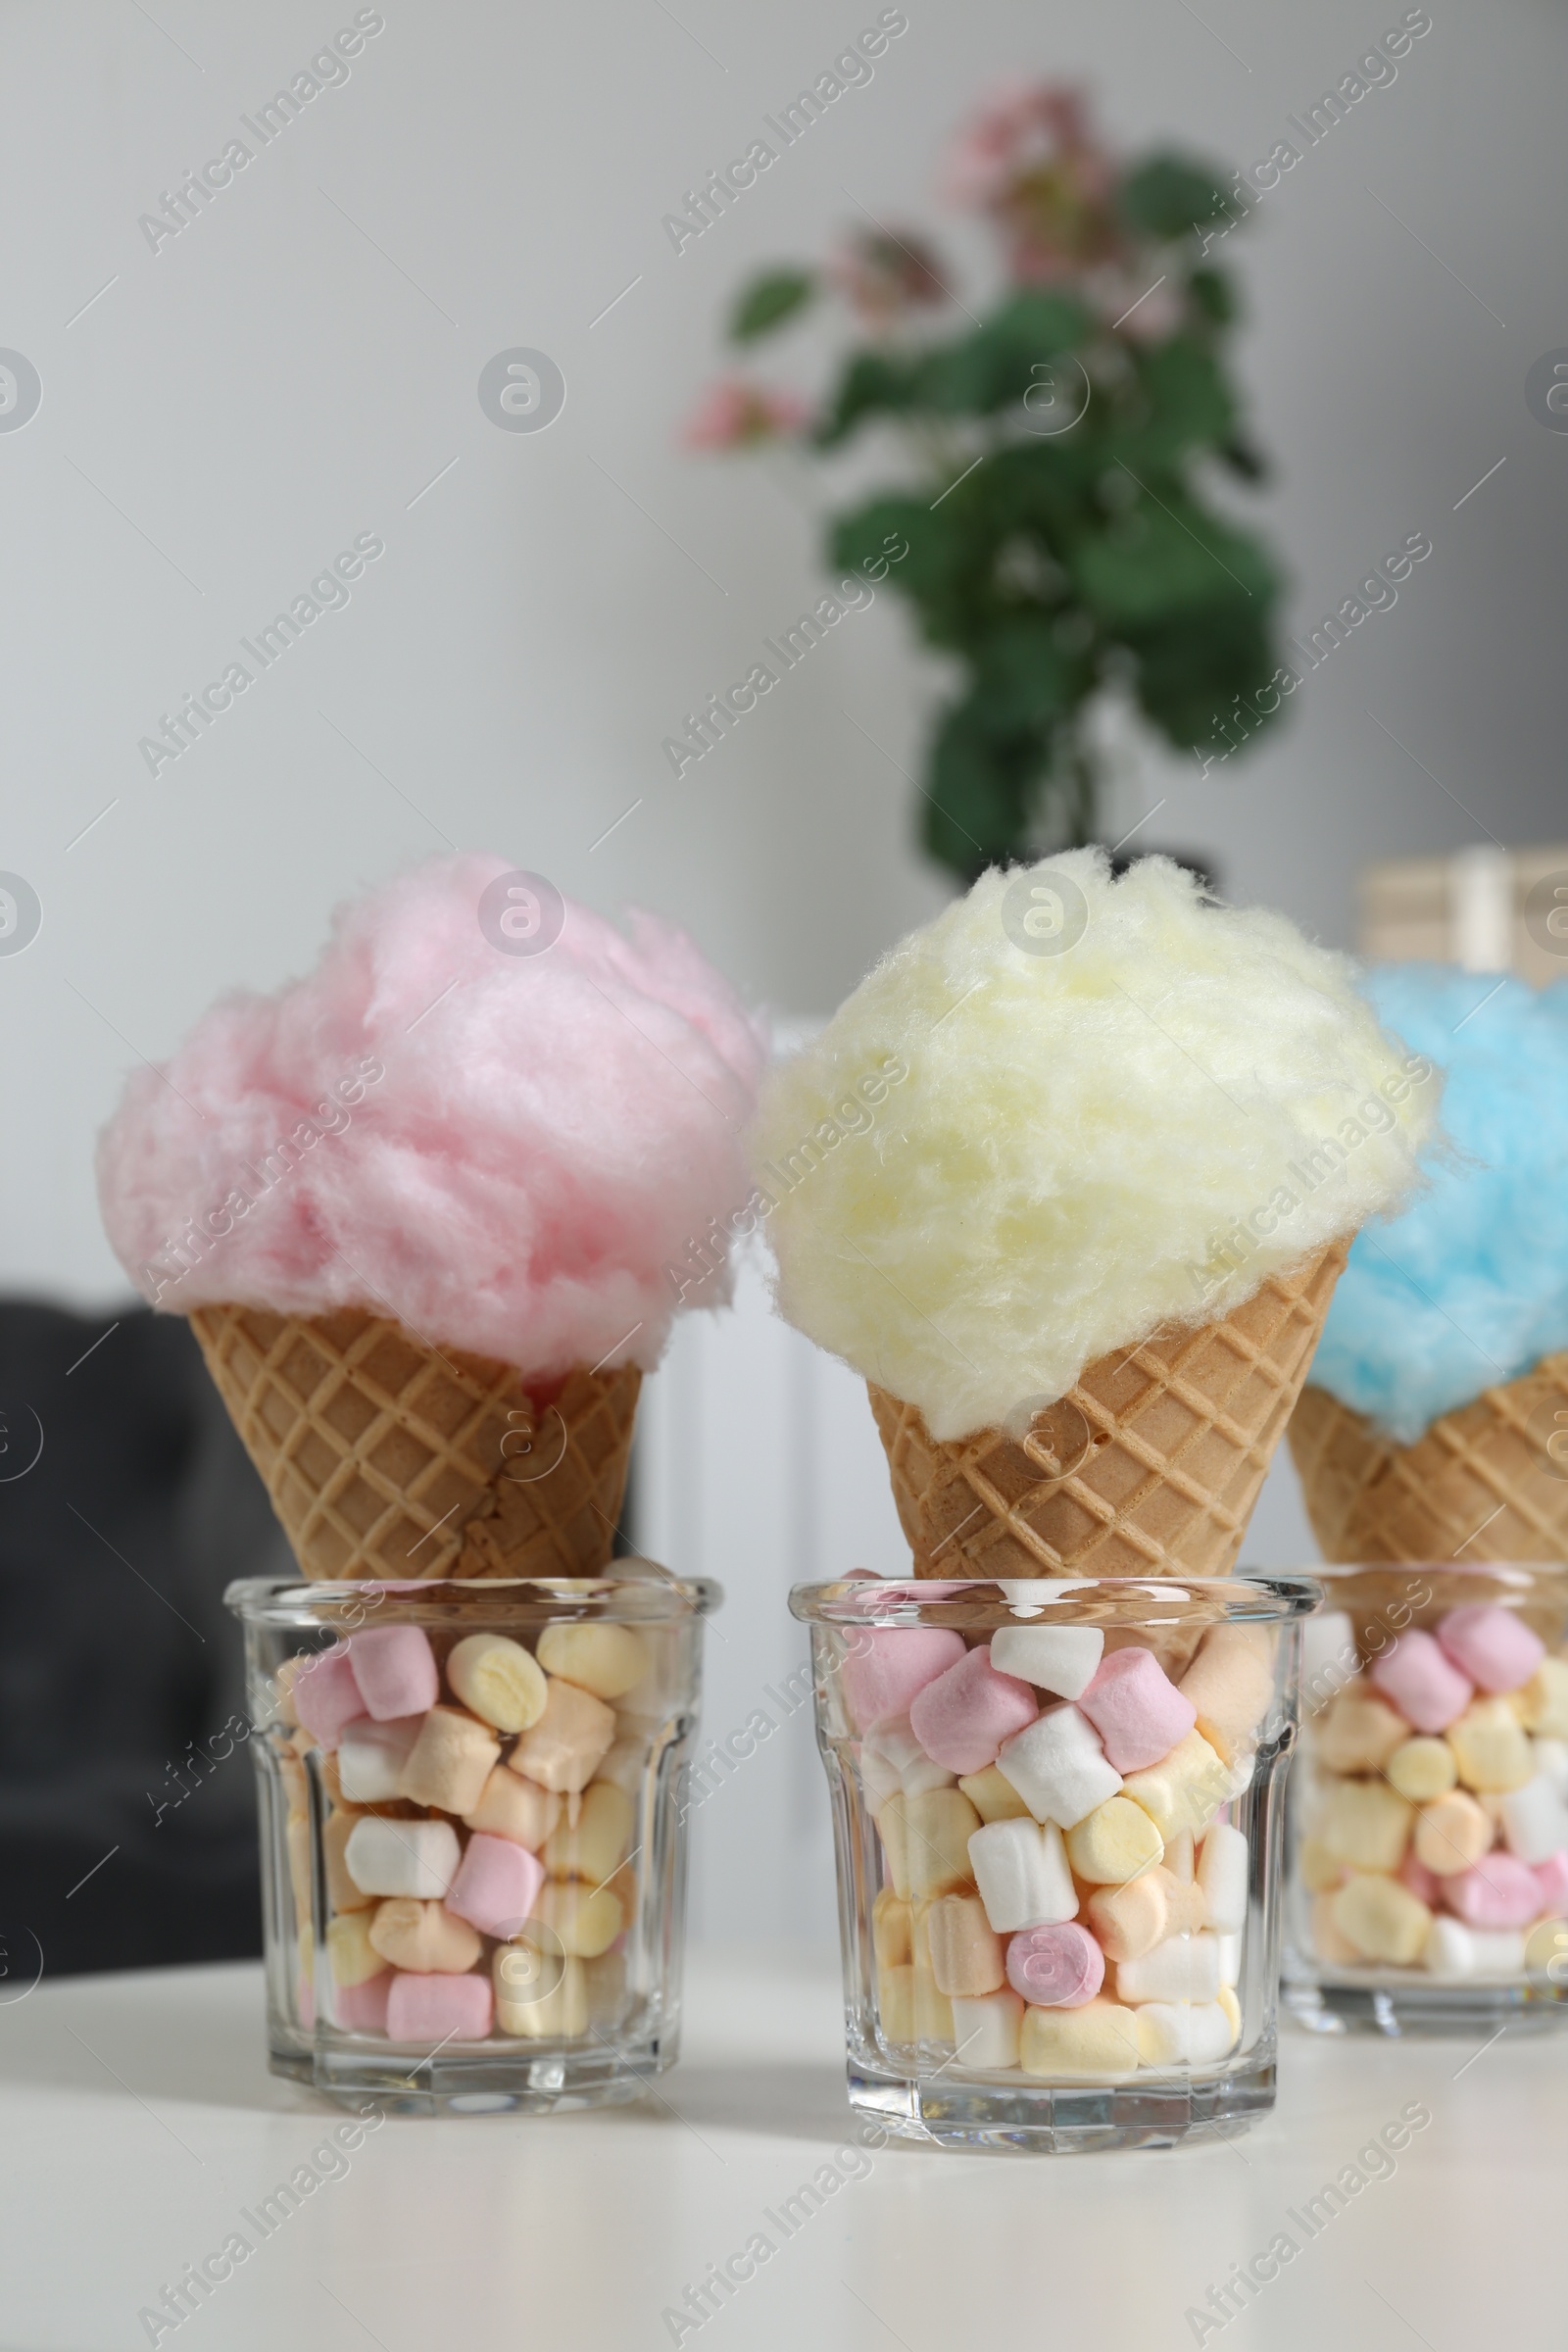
[{"x": 204, "y": 398}]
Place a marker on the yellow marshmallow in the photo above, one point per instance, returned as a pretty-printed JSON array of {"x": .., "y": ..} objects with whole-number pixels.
[
  {"x": 1181, "y": 1794},
  {"x": 354, "y": 1957},
  {"x": 498, "y": 1681},
  {"x": 586, "y": 1919},
  {"x": 933, "y": 2011},
  {"x": 938, "y": 1824},
  {"x": 511, "y": 1807},
  {"x": 297, "y": 1836},
  {"x": 1382, "y": 1920},
  {"x": 1422, "y": 1769},
  {"x": 341, "y": 1892},
  {"x": 425, "y": 1936},
  {"x": 593, "y": 1845},
  {"x": 1231, "y": 1683},
  {"x": 891, "y": 1930},
  {"x": 966, "y": 1949},
  {"x": 450, "y": 1761},
  {"x": 1333, "y": 1950},
  {"x": 1367, "y": 1825},
  {"x": 564, "y": 1748},
  {"x": 540, "y": 1996},
  {"x": 606, "y": 1660},
  {"x": 1320, "y": 1871},
  {"x": 1359, "y": 1731},
  {"x": 1452, "y": 1833},
  {"x": 1113, "y": 1843},
  {"x": 1097, "y": 2043},
  {"x": 993, "y": 1798},
  {"x": 894, "y": 1832},
  {"x": 1543, "y": 1704},
  {"x": 1233, "y": 2010},
  {"x": 895, "y": 2002},
  {"x": 1178, "y": 1856},
  {"x": 1490, "y": 1746}
]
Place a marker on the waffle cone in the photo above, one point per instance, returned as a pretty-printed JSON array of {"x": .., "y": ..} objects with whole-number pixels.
[
  {"x": 1478, "y": 1485},
  {"x": 386, "y": 1457},
  {"x": 1150, "y": 1466}
]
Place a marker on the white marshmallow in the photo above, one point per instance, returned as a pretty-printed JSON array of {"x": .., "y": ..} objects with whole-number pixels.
[
  {"x": 1498, "y": 1952},
  {"x": 1230, "y": 1960},
  {"x": 1456, "y": 1950},
  {"x": 892, "y": 1758},
  {"x": 1062, "y": 1659},
  {"x": 1183, "y": 2034},
  {"x": 1222, "y": 1876},
  {"x": 986, "y": 2031},
  {"x": 1550, "y": 1759},
  {"x": 1535, "y": 1820},
  {"x": 372, "y": 1755},
  {"x": 1241, "y": 1769},
  {"x": 1184, "y": 1967},
  {"x": 1023, "y": 1876},
  {"x": 1059, "y": 1767},
  {"x": 402, "y": 1857},
  {"x": 1448, "y": 1950}
]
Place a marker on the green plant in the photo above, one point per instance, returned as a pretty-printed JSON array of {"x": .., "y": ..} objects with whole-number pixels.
[{"x": 1063, "y": 540}]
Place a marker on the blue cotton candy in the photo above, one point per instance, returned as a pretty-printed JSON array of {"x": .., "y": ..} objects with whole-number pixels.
[{"x": 1469, "y": 1286}]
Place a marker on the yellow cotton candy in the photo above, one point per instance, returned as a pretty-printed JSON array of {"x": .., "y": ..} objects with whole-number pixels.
[{"x": 1013, "y": 1149}]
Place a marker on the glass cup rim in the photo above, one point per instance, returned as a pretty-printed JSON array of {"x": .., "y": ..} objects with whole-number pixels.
[
  {"x": 1519, "y": 1573},
  {"x": 980, "y": 1603},
  {"x": 630, "y": 1592}
]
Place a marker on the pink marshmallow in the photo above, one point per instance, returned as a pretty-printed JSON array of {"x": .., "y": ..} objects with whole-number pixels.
[
  {"x": 305, "y": 2000},
  {"x": 1552, "y": 1876},
  {"x": 362, "y": 2008},
  {"x": 433, "y": 2009},
  {"x": 395, "y": 1668},
  {"x": 1493, "y": 1646},
  {"x": 1428, "y": 1689},
  {"x": 1137, "y": 1709},
  {"x": 963, "y": 1718},
  {"x": 1056, "y": 1968},
  {"x": 1499, "y": 1891},
  {"x": 496, "y": 1884},
  {"x": 326, "y": 1697},
  {"x": 1421, "y": 1881},
  {"x": 887, "y": 1667}
]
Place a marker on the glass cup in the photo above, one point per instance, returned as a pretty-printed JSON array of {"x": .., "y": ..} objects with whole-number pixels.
[
  {"x": 1428, "y": 1872},
  {"x": 1045, "y": 1948},
  {"x": 473, "y": 1857}
]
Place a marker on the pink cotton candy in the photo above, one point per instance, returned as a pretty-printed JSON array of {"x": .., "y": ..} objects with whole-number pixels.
[
  {"x": 963, "y": 1718},
  {"x": 533, "y": 1157},
  {"x": 886, "y": 1667},
  {"x": 1493, "y": 1646},
  {"x": 1500, "y": 1891}
]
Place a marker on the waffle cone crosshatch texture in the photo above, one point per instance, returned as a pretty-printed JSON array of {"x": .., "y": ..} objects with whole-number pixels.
[
  {"x": 1487, "y": 1476},
  {"x": 1175, "y": 1440},
  {"x": 386, "y": 1457}
]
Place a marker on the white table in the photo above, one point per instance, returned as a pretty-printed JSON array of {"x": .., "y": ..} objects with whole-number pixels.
[{"x": 137, "y": 2120}]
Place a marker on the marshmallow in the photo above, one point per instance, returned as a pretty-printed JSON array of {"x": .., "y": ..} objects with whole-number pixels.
[
  {"x": 891, "y": 1930},
  {"x": 1184, "y": 1792},
  {"x": 1115, "y": 1842},
  {"x": 1552, "y": 1876},
  {"x": 372, "y": 1755},
  {"x": 1421, "y": 1768},
  {"x": 425, "y": 1937},
  {"x": 1184, "y": 2032},
  {"x": 994, "y": 1798},
  {"x": 354, "y": 1957},
  {"x": 495, "y": 1884},
  {"x": 607, "y": 1659},
  {"x": 933, "y": 2011},
  {"x": 297, "y": 1838},
  {"x": 966, "y": 1951},
  {"x": 1543, "y": 1704},
  {"x": 395, "y": 1668},
  {"x": 892, "y": 1758},
  {"x": 499, "y": 1680},
  {"x": 1097, "y": 2043},
  {"x": 1179, "y": 1857},
  {"x": 935, "y": 1827},
  {"x": 1333, "y": 1950},
  {"x": 1367, "y": 1825},
  {"x": 886, "y": 1667},
  {"x": 1490, "y": 1747},
  {"x": 609, "y": 1997},
  {"x": 1452, "y": 1833},
  {"x": 963, "y": 1718},
  {"x": 1230, "y": 1969},
  {"x": 325, "y": 1694},
  {"x": 1059, "y": 1767},
  {"x": 1061, "y": 1658},
  {"x": 402, "y": 1857},
  {"x": 564, "y": 1749},
  {"x": 895, "y": 2002},
  {"x": 1320, "y": 1871},
  {"x": 1535, "y": 1820},
  {"x": 450, "y": 1761},
  {"x": 540, "y": 1996},
  {"x": 1551, "y": 1756},
  {"x": 1500, "y": 1891},
  {"x": 1056, "y": 1968},
  {"x": 1021, "y": 1871},
  {"x": 1425, "y": 1884},
  {"x": 1131, "y": 1920},
  {"x": 1137, "y": 1710},
  {"x": 341, "y": 1892},
  {"x": 585, "y": 1919},
  {"x": 986, "y": 2031},
  {"x": 1381, "y": 1920},
  {"x": 436, "y": 2009},
  {"x": 1359, "y": 1731},
  {"x": 510, "y": 1806},
  {"x": 592, "y": 1845},
  {"x": 1453, "y": 1950},
  {"x": 1184, "y": 1967},
  {"x": 1222, "y": 1877},
  {"x": 361, "y": 2008},
  {"x": 1422, "y": 1682},
  {"x": 1493, "y": 1646},
  {"x": 1230, "y": 1685}
]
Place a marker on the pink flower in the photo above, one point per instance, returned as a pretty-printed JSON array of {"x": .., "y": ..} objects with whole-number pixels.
[
  {"x": 1030, "y": 157},
  {"x": 736, "y": 415},
  {"x": 882, "y": 275}
]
